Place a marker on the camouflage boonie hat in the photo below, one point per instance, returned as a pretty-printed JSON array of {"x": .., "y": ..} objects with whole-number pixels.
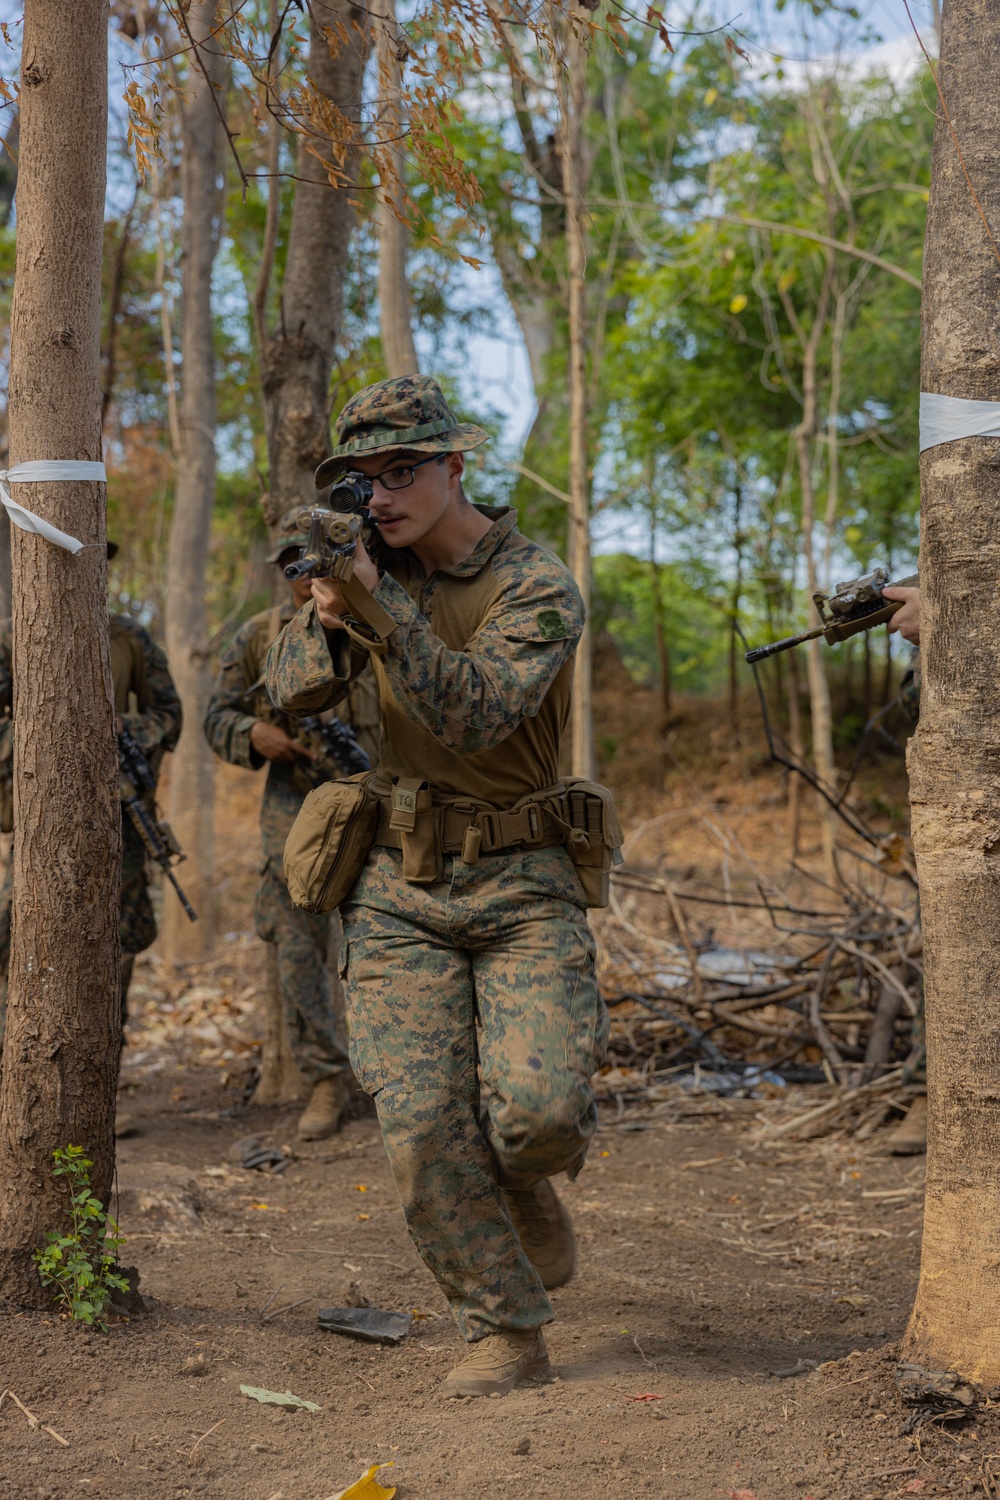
[
  {"x": 408, "y": 412},
  {"x": 289, "y": 533}
]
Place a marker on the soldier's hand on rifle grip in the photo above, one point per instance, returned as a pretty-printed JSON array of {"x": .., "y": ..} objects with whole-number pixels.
[
  {"x": 330, "y": 606},
  {"x": 907, "y": 619},
  {"x": 270, "y": 741}
]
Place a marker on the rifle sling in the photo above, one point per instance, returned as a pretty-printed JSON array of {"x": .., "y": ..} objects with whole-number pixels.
[{"x": 369, "y": 612}]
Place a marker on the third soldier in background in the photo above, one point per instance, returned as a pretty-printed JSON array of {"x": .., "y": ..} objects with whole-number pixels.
[{"x": 244, "y": 729}]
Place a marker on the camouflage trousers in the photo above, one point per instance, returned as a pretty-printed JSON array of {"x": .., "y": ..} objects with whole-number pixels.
[
  {"x": 310, "y": 989},
  {"x": 137, "y": 924},
  {"x": 476, "y": 1023}
]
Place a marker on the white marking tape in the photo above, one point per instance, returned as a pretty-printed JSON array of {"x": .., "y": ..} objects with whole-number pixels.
[
  {"x": 42, "y": 471},
  {"x": 945, "y": 419}
]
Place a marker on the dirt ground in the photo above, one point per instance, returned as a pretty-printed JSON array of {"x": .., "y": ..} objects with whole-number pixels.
[{"x": 714, "y": 1260}]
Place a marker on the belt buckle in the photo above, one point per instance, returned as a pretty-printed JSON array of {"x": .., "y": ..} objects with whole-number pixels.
[{"x": 490, "y": 830}]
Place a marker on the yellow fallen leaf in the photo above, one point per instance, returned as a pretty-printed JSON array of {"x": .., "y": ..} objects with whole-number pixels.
[
  {"x": 363, "y": 1217},
  {"x": 359, "y": 1187},
  {"x": 367, "y": 1487}
]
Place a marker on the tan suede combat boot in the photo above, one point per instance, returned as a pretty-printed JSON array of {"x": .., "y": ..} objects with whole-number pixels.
[
  {"x": 910, "y": 1136},
  {"x": 322, "y": 1115},
  {"x": 544, "y": 1229},
  {"x": 496, "y": 1364}
]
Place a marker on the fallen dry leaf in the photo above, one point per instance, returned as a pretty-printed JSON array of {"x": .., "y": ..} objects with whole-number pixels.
[{"x": 367, "y": 1487}]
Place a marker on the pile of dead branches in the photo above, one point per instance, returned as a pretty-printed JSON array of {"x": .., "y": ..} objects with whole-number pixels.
[{"x": 766, "y": 981}]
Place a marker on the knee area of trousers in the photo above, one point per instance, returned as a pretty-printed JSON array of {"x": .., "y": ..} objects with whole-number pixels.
[{"x": 551, "y": 1122}]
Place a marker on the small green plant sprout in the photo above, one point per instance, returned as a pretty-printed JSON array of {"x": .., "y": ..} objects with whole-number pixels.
[{"x": 80, "y": 1264}]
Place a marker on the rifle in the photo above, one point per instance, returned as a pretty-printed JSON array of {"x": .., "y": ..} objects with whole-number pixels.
[
  {"x": 852, "y": 607},
  {"x": 158, "y": 840},
  {"x": 336, "y": 747},
  {"x": 331, "y": 547}
]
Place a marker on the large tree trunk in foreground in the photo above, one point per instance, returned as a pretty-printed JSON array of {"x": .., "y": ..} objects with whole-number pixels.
[
  {"x": 395, "y": 319},
  {"x": 955, "y": 786},
  {"x": 192, "y": 783},
  {"x": 573, "y": 105},
  {"x": 298, "y": 355},
  {"x": 61, "y": 1051}
]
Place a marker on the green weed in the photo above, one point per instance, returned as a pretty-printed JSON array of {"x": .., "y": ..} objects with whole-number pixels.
[{"x": 80, "y": 1263}]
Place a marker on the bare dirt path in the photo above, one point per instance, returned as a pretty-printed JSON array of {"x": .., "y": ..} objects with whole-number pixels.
[{"x": 708, "y": 1260}]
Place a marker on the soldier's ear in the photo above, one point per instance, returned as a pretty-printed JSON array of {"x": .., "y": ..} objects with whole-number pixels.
[{"x": 456, "y": 465}]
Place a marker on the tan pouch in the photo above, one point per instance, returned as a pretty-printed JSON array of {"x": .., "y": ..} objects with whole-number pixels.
[
  {"x": 329, "y": 841},
  {"x": 413, "y": 817},
  {"x": 594, "y": 844}
]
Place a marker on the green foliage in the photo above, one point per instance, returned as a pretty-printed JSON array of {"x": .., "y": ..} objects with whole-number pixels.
[
  {"x": 79, "y": 1263},
  {"x": 623, "y": 604}
]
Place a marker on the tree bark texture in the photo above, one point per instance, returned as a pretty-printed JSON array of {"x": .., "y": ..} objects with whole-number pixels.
[
  {"x": 192, "y": 776},
  {"x": 573, "y": 107},
  {"x": 954, "y": 762},
  {"x": 297, "y": 358},
  {"x": 398, "y": 349},
  {"x": 60, "y": 1060}
]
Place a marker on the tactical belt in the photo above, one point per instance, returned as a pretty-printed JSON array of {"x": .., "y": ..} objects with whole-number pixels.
[{"x": 499, "y": 832}]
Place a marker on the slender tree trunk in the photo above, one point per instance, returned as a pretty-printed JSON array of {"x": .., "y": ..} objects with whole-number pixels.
[
  {"x": 798, "y": 751},
  {"x": 819, "y": 688},
  {"x": 398, "y": 348},
  {"x": 192, "y": 774},
  {"x": 297, "y": 357},
  {"x": 734, "y": 613},
  {"x": 61, "y": 1051},
  {"x": 659, "y": 621},
  {"x": 954, "y": 788},
  {"x": 572, "y": 92}
]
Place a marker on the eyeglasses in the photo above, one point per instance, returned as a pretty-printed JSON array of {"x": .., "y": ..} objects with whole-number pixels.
[{"x": 400, "y": 476}]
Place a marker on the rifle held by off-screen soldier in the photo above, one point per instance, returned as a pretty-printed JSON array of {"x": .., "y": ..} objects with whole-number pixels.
[
  {"x": 852, "y": 607},
  {"x": 138, "y": 782}
]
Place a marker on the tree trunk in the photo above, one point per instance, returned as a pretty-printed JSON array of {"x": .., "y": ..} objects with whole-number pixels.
[
  {"x": 734, "y": 613},
  {"x": 280, "y": 1080},
  {"x": 819, "y": 689},
  {"x": 297, "y": 357},
  {"x": 398, "y": 349},
  {"x": 572, "y": 93},
  {"x": 954, "y": 789},
  {"x": 63, "y": 1031},
  {"x": 192, "y": 774}
]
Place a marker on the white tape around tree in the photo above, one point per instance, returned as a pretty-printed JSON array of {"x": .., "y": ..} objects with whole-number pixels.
[
  {"x": 41, "y": 471},
  {"x": 945, "y": 419}
]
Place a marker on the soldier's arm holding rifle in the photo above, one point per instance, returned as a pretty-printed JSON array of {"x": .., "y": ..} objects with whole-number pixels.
[{"x": 234, "y": 730}]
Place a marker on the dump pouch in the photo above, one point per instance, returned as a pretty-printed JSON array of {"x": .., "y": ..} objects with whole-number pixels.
[
  {"x": 329, "y": 841},
  {"x": 595, "y": 836}
]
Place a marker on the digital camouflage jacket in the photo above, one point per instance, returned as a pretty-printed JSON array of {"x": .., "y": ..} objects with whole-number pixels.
[
  {"x": 474, "y": 685},
  {"x": 145, "y": 697},
  {"x": 240, "y": 698}
]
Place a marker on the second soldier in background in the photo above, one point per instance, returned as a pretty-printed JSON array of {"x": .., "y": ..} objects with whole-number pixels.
[{"x": 244, "y": 728}]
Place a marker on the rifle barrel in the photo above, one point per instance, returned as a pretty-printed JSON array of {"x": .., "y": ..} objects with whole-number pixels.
[{"x": 759, "y": 653}]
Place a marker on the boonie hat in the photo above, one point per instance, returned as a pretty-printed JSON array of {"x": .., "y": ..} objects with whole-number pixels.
[
  {"x": 408, "y": 412},
  {"x": 289, "y": 534}
]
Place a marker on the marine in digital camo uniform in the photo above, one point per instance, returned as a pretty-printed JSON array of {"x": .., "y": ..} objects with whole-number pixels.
[
  {"x": 244, "y": 728},
  {"x": 147, "y": 704},
  {"x": 461, "y": 965}
]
